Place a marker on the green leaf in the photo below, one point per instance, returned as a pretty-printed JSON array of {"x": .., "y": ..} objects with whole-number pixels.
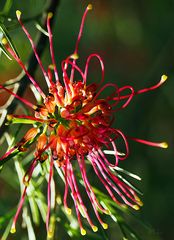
[
  {"x": 34, "y": 210},
  {"x": 42, "y": 206},
  {"x": 5, "y": 51},
  {"x": 7, "y": 231},
  {"x": 7, "y": 7},
  {"x": 21, "y": 120},
  {"x": 41, "y": 29},
  {"x": 129, "y": 184},
  {"x": 7, "y": 36},
  {"x": 27, "y": 219}
]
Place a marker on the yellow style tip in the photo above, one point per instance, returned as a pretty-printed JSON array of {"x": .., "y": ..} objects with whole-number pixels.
[
  {"x": 50, "y": 234},
  {"x": 89, "y": 7},
  {"x": 9, "y": 117},
  {"x": 51, "y": 66},
  {"x": 4, "y": 41},
  {"x": 164, "y": 145},
  {"x": 139, "y": 202},
  {"x": 105, "y": 225},
  {"x": 75, "y": 56},
  {"x": 50, "y": 15},
  {"x": 163, "y": 78},
  {"x": 83, "y": 231},
  {"x": 136, "y": 207},
  {"x": 68, "y": 211},
  {"x": 13, "y": 229},
  {"x": 95, "y": 228},
  {"x": 35, "y": 107},
  {"x": 18, "y": 14}
]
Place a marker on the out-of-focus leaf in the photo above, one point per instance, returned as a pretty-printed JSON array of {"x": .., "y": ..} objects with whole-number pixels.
[
  {"x": 34, "y": 210},
  {"x": 131, "y": 232},
  {"x": 27, "y": 219},
  {"x": 40, "y": 200},
  {"x": 6, "y": 217},
  {"x": 7, "y": 7},
  {"x": 7, "y": 231}
]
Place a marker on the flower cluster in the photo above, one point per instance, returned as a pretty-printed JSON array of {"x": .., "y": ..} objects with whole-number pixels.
[{"x": 74, "y": 123}]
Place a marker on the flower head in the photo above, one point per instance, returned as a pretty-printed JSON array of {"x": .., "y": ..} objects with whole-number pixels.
[{"x": 74, "y": 123}]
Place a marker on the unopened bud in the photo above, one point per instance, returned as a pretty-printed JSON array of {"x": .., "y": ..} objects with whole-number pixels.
[{"x": 30, "y": 134}]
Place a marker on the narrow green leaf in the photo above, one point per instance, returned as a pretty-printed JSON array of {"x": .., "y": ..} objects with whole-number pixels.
[
  {"x": 7, "y": 231},
  {"x": 21, "y": 120},
  {"x": 127, "y": 173},
  {"x": 5, "y": 51},
  {"x": 131, "y": 232},
  {"x": 122, "y": 230},
  {"x": 27, "y": 219},
  {"x": 34, "y": 210},
  {"x": 42, "y": 206},
  {"x": 40, "y": 28},
  {"x": 7, "y": 7},
  {"x": 129, "y": 184},
  {"x": 7, "y": 36}
]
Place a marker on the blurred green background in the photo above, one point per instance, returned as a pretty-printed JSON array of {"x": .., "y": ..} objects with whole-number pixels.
[{"x": 136, "y": 41}]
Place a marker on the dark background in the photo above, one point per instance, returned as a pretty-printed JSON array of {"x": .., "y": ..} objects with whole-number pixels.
[{"x": 136, "y": 41}]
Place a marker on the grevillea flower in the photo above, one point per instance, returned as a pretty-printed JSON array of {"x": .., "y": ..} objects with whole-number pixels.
[{"x": 74, "y": 123}]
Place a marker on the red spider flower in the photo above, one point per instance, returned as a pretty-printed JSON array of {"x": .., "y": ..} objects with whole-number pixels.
[{"x": 73, "y": 123}]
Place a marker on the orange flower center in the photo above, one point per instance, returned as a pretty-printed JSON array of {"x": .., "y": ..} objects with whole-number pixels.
[{"x": 76, "y": 124}]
